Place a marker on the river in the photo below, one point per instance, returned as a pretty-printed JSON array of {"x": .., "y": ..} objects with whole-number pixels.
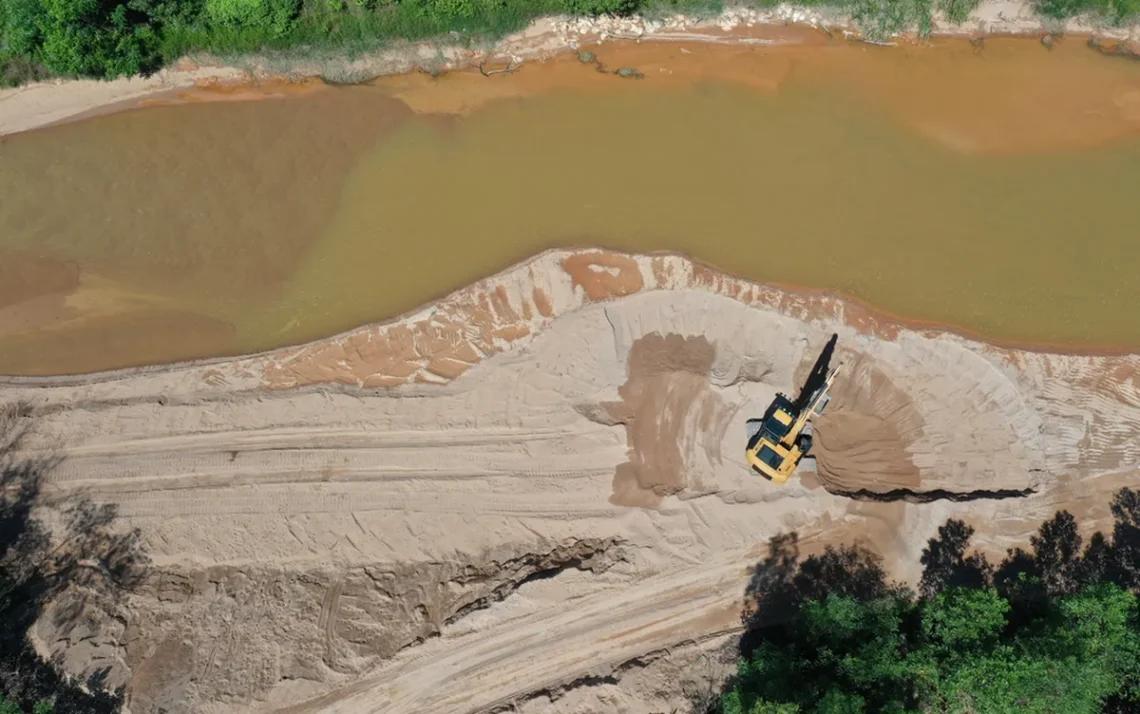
[{"x": 987, "y": 189}]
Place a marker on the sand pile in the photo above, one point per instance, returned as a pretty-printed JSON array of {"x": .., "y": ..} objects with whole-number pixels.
[{"x": 539, "y": 482}]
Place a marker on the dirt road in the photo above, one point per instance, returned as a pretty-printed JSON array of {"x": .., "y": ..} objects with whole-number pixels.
[{"x": 538, "y": 482}]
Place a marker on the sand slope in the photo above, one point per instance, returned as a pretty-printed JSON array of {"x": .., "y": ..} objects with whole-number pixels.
[{"x": 540, "y": 479}]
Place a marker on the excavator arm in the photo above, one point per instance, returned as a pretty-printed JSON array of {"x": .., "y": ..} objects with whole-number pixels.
[
  {"x": 778, "y": 440},
  {"x": 817, "y": 402}
]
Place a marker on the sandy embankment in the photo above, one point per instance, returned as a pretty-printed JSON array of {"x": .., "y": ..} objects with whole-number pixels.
[
  {"x": 46, "y": 103},
  {"x": 534, "y": 489}
]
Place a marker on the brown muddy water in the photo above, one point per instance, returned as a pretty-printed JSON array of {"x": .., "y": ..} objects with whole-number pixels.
[{"x": 993, "y": 191}]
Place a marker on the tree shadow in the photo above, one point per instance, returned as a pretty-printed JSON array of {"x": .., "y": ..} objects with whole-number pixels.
[
  {"x": 781, "y": 583},
  {"x": 1031, "y": 579},
  {"x": 85, "y": 555},
  {"x": 1123, "y": 566},
  {"x": 946, "y": 564}
]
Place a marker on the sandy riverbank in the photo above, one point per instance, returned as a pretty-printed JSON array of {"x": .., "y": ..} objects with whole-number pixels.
[
  {"x": 354, "y": 524},
  {"x": 46, "y": 103}
]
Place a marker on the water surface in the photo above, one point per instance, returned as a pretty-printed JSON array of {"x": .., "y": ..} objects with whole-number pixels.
[{"x": 1001, "y": 204}]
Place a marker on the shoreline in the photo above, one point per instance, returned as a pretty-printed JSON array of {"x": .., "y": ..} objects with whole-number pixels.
[
  {"x": 596, "y": 262},
  {"x": 50, "y": 103}
]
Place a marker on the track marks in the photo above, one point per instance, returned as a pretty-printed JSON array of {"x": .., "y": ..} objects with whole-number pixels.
[{"x": 330, "y": 610}]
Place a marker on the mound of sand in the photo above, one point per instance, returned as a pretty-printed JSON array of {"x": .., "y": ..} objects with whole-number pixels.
[{"x": 536, "y": 482}]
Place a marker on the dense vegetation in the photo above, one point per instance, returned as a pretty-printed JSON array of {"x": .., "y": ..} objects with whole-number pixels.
[
  {"x": 7, "y": 706},
  {"x": 108, "y": 38},
  {"x": 1052, "y": 629}
]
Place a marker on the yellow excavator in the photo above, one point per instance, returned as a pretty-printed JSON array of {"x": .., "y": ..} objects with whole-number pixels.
[{"x": 782, "y": 437}]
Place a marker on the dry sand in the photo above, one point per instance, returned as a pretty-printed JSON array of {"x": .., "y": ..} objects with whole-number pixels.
[
  {"x": 533, "y": 493},
  {"x": 45, "y": 103}
]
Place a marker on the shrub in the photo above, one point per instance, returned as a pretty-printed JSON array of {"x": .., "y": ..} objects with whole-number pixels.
[
  {"x": 879, "y": 19},
  {"x": 21, "y": 26},
  {"x": 957, "y": 11},
  {"x": 274, "y": 17},
  {"x": 1053, "y": 629},
  {"x": 602, "y": 7},
  {"x": 94, "y": 37}
]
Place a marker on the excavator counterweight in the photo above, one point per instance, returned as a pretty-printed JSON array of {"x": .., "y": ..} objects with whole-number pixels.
[{"x": 782, "y": 437}]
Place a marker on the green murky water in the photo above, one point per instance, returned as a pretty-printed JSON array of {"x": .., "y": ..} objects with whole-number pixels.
[{"x": 199, "y": 230}]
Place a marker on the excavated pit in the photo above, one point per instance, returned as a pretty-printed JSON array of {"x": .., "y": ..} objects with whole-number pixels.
[
  {"x": 902, "y": 494},
  {"x": 862, "y": 439}
]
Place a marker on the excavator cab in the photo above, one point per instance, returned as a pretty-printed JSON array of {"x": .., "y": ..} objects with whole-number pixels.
[{"x": 783, "y": 436}]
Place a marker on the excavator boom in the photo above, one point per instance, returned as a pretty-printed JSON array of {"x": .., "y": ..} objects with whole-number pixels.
[{"x": 817, "y": 402}]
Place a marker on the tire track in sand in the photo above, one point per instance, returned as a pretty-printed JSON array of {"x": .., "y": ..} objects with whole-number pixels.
[{"x": 473, "y": 672}]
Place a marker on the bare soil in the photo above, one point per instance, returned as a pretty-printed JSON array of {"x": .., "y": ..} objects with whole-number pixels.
[{"x": 525, "y": 493}]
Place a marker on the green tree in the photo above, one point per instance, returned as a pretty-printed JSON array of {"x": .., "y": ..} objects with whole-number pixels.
[
  {"x": 837, "y": 655},
  {"x": 22, "y": 19},
  {"x": 102, "y": 38},
  {"x": 960, "y": 622},
  {"x": 733, "y": 705},
  {"x": 7, "y": 706},
  {"x": 273, "y": 17},
  {"x": 1083, "y": 652},
  {"x": 842, "y": 656},
  {"x": 1057, "y": 631},
  {"x": 1120, "y": 12},
  {"x": 165, "y": 13},
  {"x": 1061, "y": 9}
]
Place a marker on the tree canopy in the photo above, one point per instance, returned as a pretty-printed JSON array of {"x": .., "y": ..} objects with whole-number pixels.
[
  {"x": 8, "y": 706},
  {"x": 1051, "y": 630},
  {"x": 110, "y": 38}
]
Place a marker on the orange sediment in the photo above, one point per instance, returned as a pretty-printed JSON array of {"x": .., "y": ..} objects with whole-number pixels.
[{"x": 938, "y": 185}]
